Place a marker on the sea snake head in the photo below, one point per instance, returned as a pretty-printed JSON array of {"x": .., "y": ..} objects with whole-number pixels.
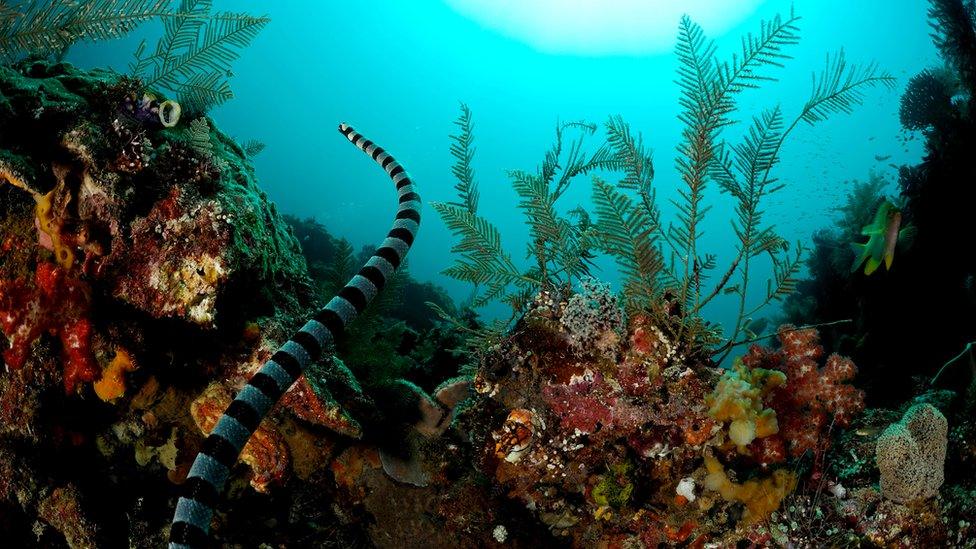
[{"x": 212, "y": 466}]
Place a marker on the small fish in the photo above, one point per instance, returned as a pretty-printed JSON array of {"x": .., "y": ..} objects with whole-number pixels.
[
  {"x": 867, "y": 431},
  {"x": 882, "y": 157},
  {"x": 883, "y": 235}
]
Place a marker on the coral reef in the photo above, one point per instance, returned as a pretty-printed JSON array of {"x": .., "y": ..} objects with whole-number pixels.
[
  {"x": 911, "y": 455},
  {"x": 145, "y": 278},
  {"x": 620, "y": 444}
]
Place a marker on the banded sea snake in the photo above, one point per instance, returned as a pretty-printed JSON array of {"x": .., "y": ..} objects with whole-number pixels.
[{"x": 204, "y": 483}]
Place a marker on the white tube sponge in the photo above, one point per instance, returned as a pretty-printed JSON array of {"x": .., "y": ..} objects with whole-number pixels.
[{"x": 911, "y": 455}]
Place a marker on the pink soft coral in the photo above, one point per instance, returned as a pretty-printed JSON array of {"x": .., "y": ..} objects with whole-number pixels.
[{"x": 813, "y": 398}]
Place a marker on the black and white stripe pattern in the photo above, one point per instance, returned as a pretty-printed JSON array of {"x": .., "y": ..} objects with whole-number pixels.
[{"x": 212, "y": 465}]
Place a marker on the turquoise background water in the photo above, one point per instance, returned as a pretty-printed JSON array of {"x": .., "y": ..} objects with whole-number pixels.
[{"x": 396, "y": 70}]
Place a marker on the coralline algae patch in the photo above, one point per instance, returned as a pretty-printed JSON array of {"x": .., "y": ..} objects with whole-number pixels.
[
  {"x": 591, "y": 439},
  {"x": 179, "y": 268},
  {"x": 54, "y": 303},
  {"x": 625, "y": 445}
]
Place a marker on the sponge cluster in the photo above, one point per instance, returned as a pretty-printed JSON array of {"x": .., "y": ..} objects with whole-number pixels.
[{"x": 911, "y": 455}]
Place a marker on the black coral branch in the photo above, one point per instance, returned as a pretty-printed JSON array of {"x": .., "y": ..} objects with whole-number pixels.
[
  {"x": 626, "y": 232},
  {"x": 708, "y": 90},
  {"x": 193, "y": 57},
  {"x": 483, "y": 261},
  {"x": 954, "y": 30},
  {"x": 48, "y": 27},
  {"x": 840, "y": 87},
  {"x": 462, "y": 149}
]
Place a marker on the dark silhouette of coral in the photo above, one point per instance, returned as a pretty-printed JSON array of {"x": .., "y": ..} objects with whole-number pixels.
[{"x": 911, "y": 320}]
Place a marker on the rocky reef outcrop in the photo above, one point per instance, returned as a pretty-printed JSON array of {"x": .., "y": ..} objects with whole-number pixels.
[
  {"x": 140, "y": 260},
  {"x": 145, "y": 277}
]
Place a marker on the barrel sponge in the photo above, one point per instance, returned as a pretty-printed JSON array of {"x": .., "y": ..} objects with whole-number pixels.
[{"x": 911, "y": 455}]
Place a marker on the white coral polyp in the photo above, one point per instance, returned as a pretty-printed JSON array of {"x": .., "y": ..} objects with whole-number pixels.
[
  {"x": 592, "y": 317},
  {"x": 686, "y": 488},
  {"x": 500, "y": 533}
]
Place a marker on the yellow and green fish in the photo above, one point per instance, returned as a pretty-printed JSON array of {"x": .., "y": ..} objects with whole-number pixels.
[{"x": 883, "y": 234}]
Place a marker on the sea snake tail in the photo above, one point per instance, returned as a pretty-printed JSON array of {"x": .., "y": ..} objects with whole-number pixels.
[{"x": 191, "y": 522}]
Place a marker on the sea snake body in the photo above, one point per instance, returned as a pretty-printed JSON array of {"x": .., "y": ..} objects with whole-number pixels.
[{"x": 207, "y": 476}]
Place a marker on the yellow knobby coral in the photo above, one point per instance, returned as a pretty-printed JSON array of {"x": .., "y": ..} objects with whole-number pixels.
[
  {"x": 45, "y": 220},
  {"x": 614, "y": 489},
  {"x": 760, "y": 496},
  {"x": 43, "y": 210},
  {"x": 738, "y": 399}
]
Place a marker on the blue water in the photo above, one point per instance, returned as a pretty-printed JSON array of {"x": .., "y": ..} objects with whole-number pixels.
[{"x": 397, "y": 70}]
